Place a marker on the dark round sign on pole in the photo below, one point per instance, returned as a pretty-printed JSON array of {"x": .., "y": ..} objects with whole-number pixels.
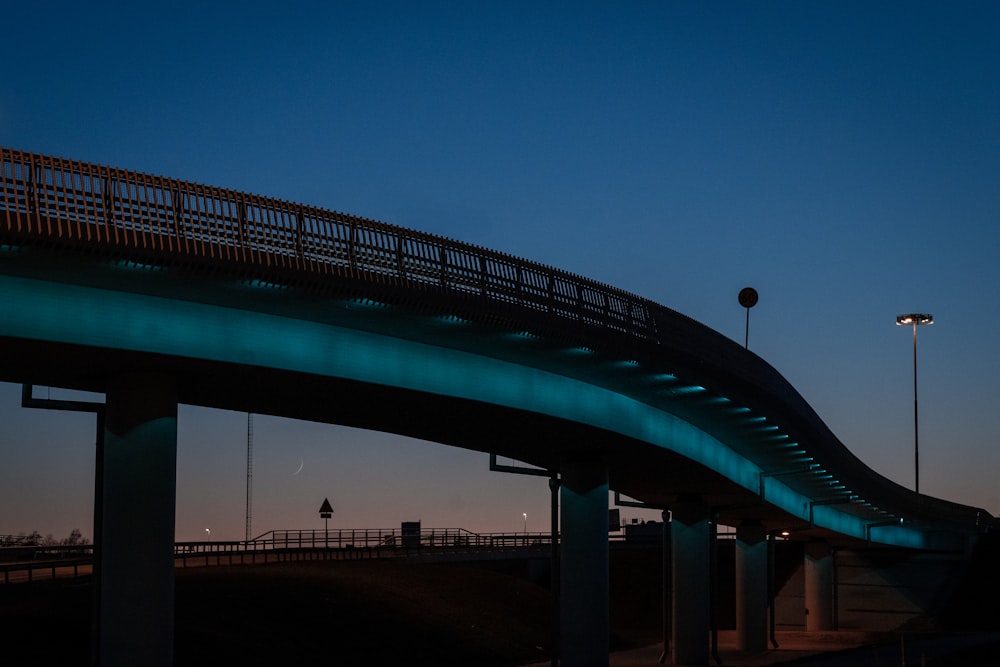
[{"x": 748, "y": 299}]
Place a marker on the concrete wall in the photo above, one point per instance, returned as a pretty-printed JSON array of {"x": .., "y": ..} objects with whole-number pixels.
[
  {"x": 878, "y": 589},
  {"x": 890, "y": 589}
]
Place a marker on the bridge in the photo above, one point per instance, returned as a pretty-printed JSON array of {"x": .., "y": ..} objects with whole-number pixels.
[{"x": 155, "y": 291}]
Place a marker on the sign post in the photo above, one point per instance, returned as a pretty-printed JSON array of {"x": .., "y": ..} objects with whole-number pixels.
[
  {"x": 325, "y": 512},
  {"x": 748, "y": 299}
]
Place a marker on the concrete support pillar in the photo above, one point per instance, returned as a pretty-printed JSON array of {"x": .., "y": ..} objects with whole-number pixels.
[
  {"x": 584, "y": 591},
  {"x": 690, "y": 533},
  {"x": 751, "y": 587},
  {"x": 136, "y": 597},
  {"x": 819, "y": 586}
]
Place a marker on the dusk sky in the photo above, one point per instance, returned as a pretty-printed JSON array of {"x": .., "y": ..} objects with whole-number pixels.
[{"x": 843, "y": 158}]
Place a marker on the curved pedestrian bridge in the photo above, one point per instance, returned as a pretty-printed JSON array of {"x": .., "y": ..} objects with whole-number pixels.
[{"x": 156, "y": 291}]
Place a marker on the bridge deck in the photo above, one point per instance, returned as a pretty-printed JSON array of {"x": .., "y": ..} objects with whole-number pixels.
[{"x": 96, "y": 230}]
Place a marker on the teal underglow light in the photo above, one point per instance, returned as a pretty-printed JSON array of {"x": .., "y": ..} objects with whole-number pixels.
[
  {"x": 256, "y": 283},
  {"x": 451, "y": 319},
  {"x": 129, "y": 321},
  {"x": 367, "y": 303},
  {"x": 690, "y": 389},
  {"x": 520, "y": 335},
  {"x": 718, "y": 399},
  {"x": 6, "y": 247},
  {"x": 664, "y": 377},
  {"x": 740, "y": 410},
  {"x": 755, "y": 420},
  {"x": 136, "y": 266}
]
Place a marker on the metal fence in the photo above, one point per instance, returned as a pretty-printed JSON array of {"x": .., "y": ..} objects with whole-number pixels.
[
  {"x": 31, "y": 562},
  {"x": 26, "y": 564},
  {"x": 395, "y": 537},
  {"x": 69, "y": 203}
]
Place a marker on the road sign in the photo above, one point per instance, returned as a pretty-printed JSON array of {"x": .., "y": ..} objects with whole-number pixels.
[
  {"x": 326, "y": 509},
  {"x": 748, "y": 297}
]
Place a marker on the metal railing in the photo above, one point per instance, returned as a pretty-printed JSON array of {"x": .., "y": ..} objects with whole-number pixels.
[
  {"x": 143, "y": 217},
  {"x": 27, "y": 563},
  {"x": 354, "y": 544},
  {"x": 389, "y": 540},
  {"x": 30, "y": 571},
  {"x": 429, "y": 538}
]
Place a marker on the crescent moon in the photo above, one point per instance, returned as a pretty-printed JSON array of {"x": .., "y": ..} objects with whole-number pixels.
[{"x": 301, "y": 463}]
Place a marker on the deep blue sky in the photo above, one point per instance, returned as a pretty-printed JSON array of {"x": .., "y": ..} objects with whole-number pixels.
[{"x": 841, "y": 157}]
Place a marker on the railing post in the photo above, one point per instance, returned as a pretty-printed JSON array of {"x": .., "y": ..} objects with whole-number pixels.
[
  {"x": 241, "y": 223},
  {"x": 482, "y": 275},
  {"x": 551, "y": 291},
  {"x": 298, "y": 238},
  {"x": 444, "y": 265},
  {"x": 400, "y": 264},
  {"x": 352, "y": 258}
]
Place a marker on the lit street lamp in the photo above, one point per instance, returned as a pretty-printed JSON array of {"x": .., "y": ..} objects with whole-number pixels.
[
  {"x": 915, "y": 319},
  {"x": 525, "y": 515}
]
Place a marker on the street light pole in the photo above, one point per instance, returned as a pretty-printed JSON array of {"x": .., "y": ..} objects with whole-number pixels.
[{"x": 915, "y": 319}]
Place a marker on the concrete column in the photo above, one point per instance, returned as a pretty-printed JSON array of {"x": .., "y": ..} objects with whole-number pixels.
[
  {"x": 690, "y": 531},
  {"x": 819, "y": 586},
  {"x": 584, "y": 592},
  {"x": 751, "y": 587},
  {"x": 136, "y": 619}
]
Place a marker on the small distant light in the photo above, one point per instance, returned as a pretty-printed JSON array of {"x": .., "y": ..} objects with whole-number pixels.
[{"x": 785, "y": 533}]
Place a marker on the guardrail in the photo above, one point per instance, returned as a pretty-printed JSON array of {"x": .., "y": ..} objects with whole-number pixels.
[
  {"x": 66, "y": 202},
  {"x": 29, "y": 572},
  {"x": 396, "y": 537},
  {"x": 28, "y": 563}
]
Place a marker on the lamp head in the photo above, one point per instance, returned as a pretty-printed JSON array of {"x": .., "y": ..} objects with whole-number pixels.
[{"x": 914, "y": 319}]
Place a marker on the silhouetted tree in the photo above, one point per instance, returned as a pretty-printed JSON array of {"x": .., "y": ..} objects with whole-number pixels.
[{"x": 75, "y": 538}]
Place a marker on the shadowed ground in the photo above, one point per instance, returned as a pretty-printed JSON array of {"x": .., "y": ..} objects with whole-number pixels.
[
  {"x": 381, "y": 613},
  {"x": 367, "y": 612}
]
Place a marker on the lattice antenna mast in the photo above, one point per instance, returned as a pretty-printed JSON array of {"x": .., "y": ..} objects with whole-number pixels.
[{"x": 249, "y": 475}]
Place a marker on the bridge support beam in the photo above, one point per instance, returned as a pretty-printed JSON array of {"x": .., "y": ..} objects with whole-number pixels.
[
  {"x": 819, "y": 583},
  {"x": 751, "y": 587},
  {"x": 690, "y": 535},
  {"x": 136, "y": 542},
  {"x": 584, "y": 590}
]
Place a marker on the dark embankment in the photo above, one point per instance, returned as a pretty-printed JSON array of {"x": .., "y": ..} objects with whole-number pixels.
[{"x": 361, "y": 612}]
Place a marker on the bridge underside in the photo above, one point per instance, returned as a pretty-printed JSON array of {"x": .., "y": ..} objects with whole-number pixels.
[
  {"x": 349, "y": 358},
  {"x": 654, "y": 475}
]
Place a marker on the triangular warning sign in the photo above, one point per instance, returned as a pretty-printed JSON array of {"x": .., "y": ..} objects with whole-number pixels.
[{"x": 326, "y": 509}]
